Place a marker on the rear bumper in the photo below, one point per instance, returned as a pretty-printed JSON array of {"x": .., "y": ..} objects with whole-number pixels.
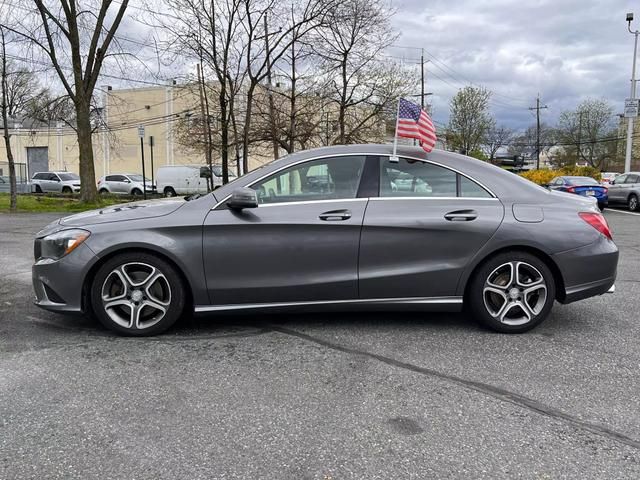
[{"x": 587, "y": 271}]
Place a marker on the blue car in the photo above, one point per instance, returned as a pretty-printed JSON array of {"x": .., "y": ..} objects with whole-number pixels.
[{"x": 585, "y": 186}]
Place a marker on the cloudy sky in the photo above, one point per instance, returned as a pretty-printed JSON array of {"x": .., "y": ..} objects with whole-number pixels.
[{"x": 566, "y": 50}]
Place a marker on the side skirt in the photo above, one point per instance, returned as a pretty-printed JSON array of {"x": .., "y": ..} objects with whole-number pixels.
[{"x": 409, "y": 303}]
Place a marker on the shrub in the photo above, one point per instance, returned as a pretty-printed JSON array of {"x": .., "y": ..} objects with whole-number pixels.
[{"x": 542, "y": 177}]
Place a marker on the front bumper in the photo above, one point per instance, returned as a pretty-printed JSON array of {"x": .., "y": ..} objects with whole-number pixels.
[{"x": 58, "y": 284}]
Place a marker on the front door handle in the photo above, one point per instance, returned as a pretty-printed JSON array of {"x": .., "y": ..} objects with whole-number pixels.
[
  {"x": 335, "y": 215},
  {"x": 461, "y": 216}
]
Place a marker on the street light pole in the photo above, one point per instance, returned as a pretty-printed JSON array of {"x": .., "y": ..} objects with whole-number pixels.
[{"x": 627, "y": 158}]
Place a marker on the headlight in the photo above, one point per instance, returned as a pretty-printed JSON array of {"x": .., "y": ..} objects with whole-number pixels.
[{"x": 59, "y": 244}]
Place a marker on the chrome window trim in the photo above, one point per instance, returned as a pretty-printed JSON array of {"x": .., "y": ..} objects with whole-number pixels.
[
  {"x": 330, "y": 200},
  {"x": 358, "y": 154},
  {"x": 365, "y": 301},
  {"x": 491, "y": 199}
]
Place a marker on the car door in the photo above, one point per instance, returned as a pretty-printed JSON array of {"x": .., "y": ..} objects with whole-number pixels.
[
  {"x": 418, "y": 236},
  {"x": 54, "y": 184},
  {"x": 616, "y": 189},
  {"x": 299, "y": 245}
]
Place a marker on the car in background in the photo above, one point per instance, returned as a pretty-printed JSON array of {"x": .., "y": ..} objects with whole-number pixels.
[
  {"x": 585, "y": 186},
  {"x": 606, "y": 178},
  {"x": 625, "y": 190},
  {"x": 479, "y": 237},
  {"x": 56, "y": 182},
  {"x": 21, "y": 186},
  {"x": 173, "y": 180},
  {"x": 125, "y": 184}
]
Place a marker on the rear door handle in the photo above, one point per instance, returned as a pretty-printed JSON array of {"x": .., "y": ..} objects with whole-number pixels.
[
  {"x": 335, "y": 215},
  {"x": 461, "y": 216}
]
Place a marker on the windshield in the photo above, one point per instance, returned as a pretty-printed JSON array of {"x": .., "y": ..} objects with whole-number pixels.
[
  {"x": 138, "y": 178},
  {"x": 581, "y": 181},
  {"x": 65, "y": 177}
]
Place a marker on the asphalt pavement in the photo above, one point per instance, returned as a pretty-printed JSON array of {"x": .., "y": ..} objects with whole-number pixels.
[{"x": 372, "y": 395}]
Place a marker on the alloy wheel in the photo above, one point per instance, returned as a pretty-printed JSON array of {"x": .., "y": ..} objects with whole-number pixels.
[
  {"x": 136, "y": 295},
  {"x": 515, "y": 293}
]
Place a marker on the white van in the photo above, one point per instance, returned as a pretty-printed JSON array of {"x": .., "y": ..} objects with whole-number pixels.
[{"x": 172, "y": 180}]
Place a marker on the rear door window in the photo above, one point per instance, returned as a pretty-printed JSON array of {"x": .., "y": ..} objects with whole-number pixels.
[
  {"x": 631, "y": 179},
  {"x": 415, "y": 178}
]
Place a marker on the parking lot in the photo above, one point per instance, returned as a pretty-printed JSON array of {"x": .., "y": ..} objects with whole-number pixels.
[{"x": 329, "y": 396}]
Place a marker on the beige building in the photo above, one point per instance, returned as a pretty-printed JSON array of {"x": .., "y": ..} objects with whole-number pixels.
[{"x": 117, "y": 147}]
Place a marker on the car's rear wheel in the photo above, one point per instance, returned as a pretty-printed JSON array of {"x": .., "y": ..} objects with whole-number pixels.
[
  {"x": 137, "y": 294},
  {"x": 136, "y": 192},
  {"x": 512, "y": 292},
  {"x": 103, "y": 191},
  {"x": 633, "y": 203},
  {"x": 169, "y": 192}
]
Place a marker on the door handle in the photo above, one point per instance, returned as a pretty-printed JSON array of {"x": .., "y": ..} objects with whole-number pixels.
[
  {"x": 335, "y": 215},
  {"x": 461, "y": 216}
]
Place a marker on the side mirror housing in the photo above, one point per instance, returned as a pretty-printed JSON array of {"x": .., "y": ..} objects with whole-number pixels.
[{"x": 243, "y": 198}]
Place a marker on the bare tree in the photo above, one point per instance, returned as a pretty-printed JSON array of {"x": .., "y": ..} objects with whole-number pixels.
[
  {"x": 469, "y": 120},
  {"x": 359, "y": 85},
  {"x": 589, "y": 128},
  {"x": 497, "y": 137},
  {"x": 19, "y": 89},
  {"x": 80, "y": 33}
]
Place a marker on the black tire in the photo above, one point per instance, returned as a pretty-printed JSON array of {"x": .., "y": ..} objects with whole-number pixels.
[
  {"x": 152, "y": 320},
  {"x": 103, "y": 191},
  {"x": 38, "y": 189},
  {"x": 67, "y": 190},
  {"x": 169, "y": 192},
  {"x": 486, "y": 306},
  {"x": 632, "y": 203},
  {"x": 136, "y": 192}
]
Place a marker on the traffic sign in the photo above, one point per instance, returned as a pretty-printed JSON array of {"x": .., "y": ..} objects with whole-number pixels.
[
  {"x": 141, "y": 130},
  {"x": 631, "y": 108}
]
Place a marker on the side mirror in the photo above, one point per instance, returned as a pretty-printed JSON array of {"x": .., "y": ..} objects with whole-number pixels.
[{"x": 243, "y": 198}]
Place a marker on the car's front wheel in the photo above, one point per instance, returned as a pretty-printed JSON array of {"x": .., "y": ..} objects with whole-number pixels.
[
  {"x": 511, "y": 292},
  {"x": 137, "y": 294}
]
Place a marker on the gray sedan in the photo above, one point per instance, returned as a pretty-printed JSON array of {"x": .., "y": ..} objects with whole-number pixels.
[{"x": 346, "y": 227}]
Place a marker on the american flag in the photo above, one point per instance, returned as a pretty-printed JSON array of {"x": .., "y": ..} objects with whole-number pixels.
[{"x": 413, "y": 122}]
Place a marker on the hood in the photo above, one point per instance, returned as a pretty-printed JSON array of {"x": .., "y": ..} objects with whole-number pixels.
[{"x": 125, "y": 211}]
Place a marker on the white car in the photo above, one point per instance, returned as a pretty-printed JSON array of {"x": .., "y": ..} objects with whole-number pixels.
[
  {"x": 125, "y": 184},
  {"x": 608, "y": 177},
  {"x": 59, "y": 182},
  {"x": 173, "y": 180}
]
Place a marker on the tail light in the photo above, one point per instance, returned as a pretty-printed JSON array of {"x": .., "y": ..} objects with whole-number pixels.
[
  {"x": 606, "y": 190},
  {"x": 571, "y": 189},
  {"x": 597, "y": 221}
]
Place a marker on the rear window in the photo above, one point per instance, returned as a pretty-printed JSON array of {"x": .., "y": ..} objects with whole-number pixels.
[{"x": 581, "y": 181}]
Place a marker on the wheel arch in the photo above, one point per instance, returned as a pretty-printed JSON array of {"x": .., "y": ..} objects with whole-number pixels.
[
  {"x": 91, "y": 273},
  {"x": 543, "y": 256}
]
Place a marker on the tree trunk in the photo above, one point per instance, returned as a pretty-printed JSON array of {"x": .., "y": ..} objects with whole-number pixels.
[
  {"x": 88, "y": 191},
  {"x": 224, "y": 132},
  {"x": 292, "y": 112},
  {"x": 13, "y": 201},
  {"x": 247, "y": 127},
  {"x": 343, "y": 101}
]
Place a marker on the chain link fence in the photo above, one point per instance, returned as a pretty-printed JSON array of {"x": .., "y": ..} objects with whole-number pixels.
[{"x": 21, "y": 172}]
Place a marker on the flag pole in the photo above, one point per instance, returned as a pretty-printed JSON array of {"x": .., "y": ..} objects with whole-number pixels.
[{"x": 394, "y": 158}]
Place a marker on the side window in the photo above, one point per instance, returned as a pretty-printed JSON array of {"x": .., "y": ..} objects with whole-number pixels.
[
  {"x": 620, "y": 179},
  {"x": 53, "y": 177},
  {"x": 559, "y": 181},
  {"x": 110, "y": 178},
  {"x": 39, "y": 176},
  {"x": 323, "y": 179},
  {"x": 413, "y": 178},
  {"x": 632, "y": 179},
  {"x": 469, "y": 188}
]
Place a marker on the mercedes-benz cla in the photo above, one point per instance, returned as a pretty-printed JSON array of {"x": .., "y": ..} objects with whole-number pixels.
[{"x": 340, "y": 227}]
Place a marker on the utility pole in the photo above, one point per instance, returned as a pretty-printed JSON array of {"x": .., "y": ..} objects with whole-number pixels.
[
  {"x": 579, "y": 150},
  {"x": 627, "y": 157},
  {"x": 537, "y": 108},
  {"x": 151, "y": 144},
  {"x": 422, "y": 78},
  {"x": 144, "y": 177}
]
